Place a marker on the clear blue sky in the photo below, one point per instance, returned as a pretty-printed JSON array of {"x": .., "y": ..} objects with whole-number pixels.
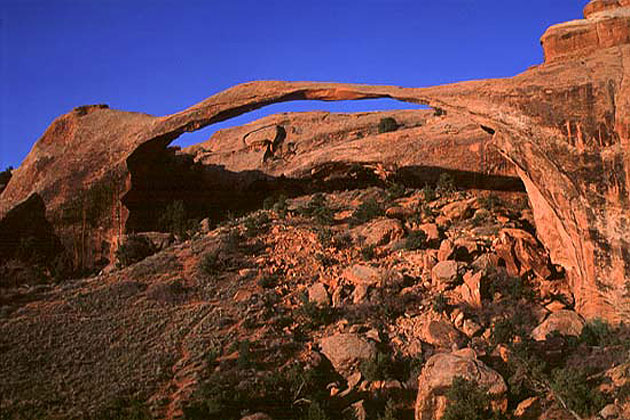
[{"x": 160, "y": 56}]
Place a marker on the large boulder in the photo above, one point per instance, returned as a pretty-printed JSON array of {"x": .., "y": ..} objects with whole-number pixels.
[
  {"x": 379, "y": 232},
  {"x": 346, "y": 351},
  {"x": 437, "y": 377},
  {"x": 445, "y": 274},
  {"x": 563, "y": 322}
]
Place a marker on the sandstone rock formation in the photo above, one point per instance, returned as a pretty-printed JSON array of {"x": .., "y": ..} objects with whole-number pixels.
[
  {"x": 565, "y": 125},
  {"x": 438, "y": 374}
]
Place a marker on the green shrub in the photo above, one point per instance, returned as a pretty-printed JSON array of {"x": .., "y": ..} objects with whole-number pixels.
[
  {"x": 378, "y": 368},
  {"x": 314, "y": 314},
  {"x": 597, "y": 332},
  {"x": 490, "y": 202},
  {"x": 342, "y": 241},
  {"x": 445, "y": 184},
  {"x": 438, "y": 112},
  {"x": 440, "y": 304},
  {"x": 174, "y": 219},
  {"x": 5, "y": 176},
  {"x": 368, "y": 210},
  {"x": 428, "y": 192},
  {"x": 134, "y": 249},
  {"x": 503, "y": 331},
  {"x": 387, "y": 125},
  {"x": 315, "y": 412},
  {"x": 390, "y": 411},
  {"x": 395, "y": 191},
  {"x": 468, "y": 401},
  {"x": 572, "y": 385},
  {"x": 268, "y": 281},
  {"x": 368, "y": 253},
  {"x": 318, "y": 209},
  {"x": 211, "y": 263},
  {"x": 416, "y": 239}
]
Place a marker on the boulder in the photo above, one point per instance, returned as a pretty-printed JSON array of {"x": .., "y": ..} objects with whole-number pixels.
[
  {"x": 522, "y": 253},
  {"x": 563, "y": 322},
  {"x": 447, "y": 248},
  {"x": 317, "y": 293},
  {"x": 445, "y": 274},
  {"x": 360, "y": 274},
  {"x": 431, "y": 230},
  {"x": 529, "y": 409},
  {"x": 345, "y": 352},
  {"x": 379, "y": 232},
  {"x": 438, "y": 374},
  {"x": 442, "y": 334},
  {"x": 399, "y": 212},
  {"x": 458, "y": 210},
  {"x": 470, "y": 291}
]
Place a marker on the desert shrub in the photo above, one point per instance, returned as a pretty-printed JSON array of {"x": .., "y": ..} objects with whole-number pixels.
[
  {"x": 378, "y": 368},
  {"x": 368, "y": 210},
  {"x": 597, "y": 332},
  {"x": 268, "y": 281},
  {"x": 315, "y": 412},
  {"x": 490, "y": 202},
  {"x": 318, "y": 209},
  {"x": 315, "y": 315},
  {"x": 395, "y": 191},
  {"x": 124, "y": 409},
  {"x": 438, "y": 112},
  {"x": 256, "y": 224},
  {"x": 481, "y": 217},
  {"x": 277, "y": 204},
  {"x": 428, "y": 192},
  {"x": 342, "y": 241},
  {"x": 445, "y": 184},
  {"x": 572, "y": 385},
  {"x": 368, "y": 253},
  {"x": 440, "y": 304},
  {"x": 211, "y": 263},
  {"x": 173, "y": 219},
  {"x": 503, "y": 331},
  {"x": 390, "y": 412},
  {"x": 468, "y": 401},
  {"x": 134, "y": 249},
  {"x": 387, "y": 125},
  {"x": 244, "y": 354},
  {"x": 416, "y": 239}
]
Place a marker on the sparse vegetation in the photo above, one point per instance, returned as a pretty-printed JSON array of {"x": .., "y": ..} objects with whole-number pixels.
[
  {"x": 368, "y": 252},
  {"x": 572, "y": 386},
  {"x": 445, "y": 184},
  {"x": 174, "y": 219},
  {"x": 380, "y": 367},
  {"x": 318, "y": 209},
  {"x": 387, "y": 125},
  {"x": 440, "y": 304},
  {"x": 468, "y": 401},
  {"x": 416, "y": 239},
  {"x": 368, "y": 210}
]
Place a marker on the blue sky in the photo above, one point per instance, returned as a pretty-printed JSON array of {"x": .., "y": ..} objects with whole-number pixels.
[{"x": 161, "y": 56}]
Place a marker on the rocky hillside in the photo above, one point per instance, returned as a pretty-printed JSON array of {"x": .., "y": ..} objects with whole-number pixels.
[
  {"x": 469, "y": 261},
  {"x": 365, "y": 302}
]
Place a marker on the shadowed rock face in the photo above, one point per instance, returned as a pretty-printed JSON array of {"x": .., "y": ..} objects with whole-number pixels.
[{"x": 565, "y": 125}]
